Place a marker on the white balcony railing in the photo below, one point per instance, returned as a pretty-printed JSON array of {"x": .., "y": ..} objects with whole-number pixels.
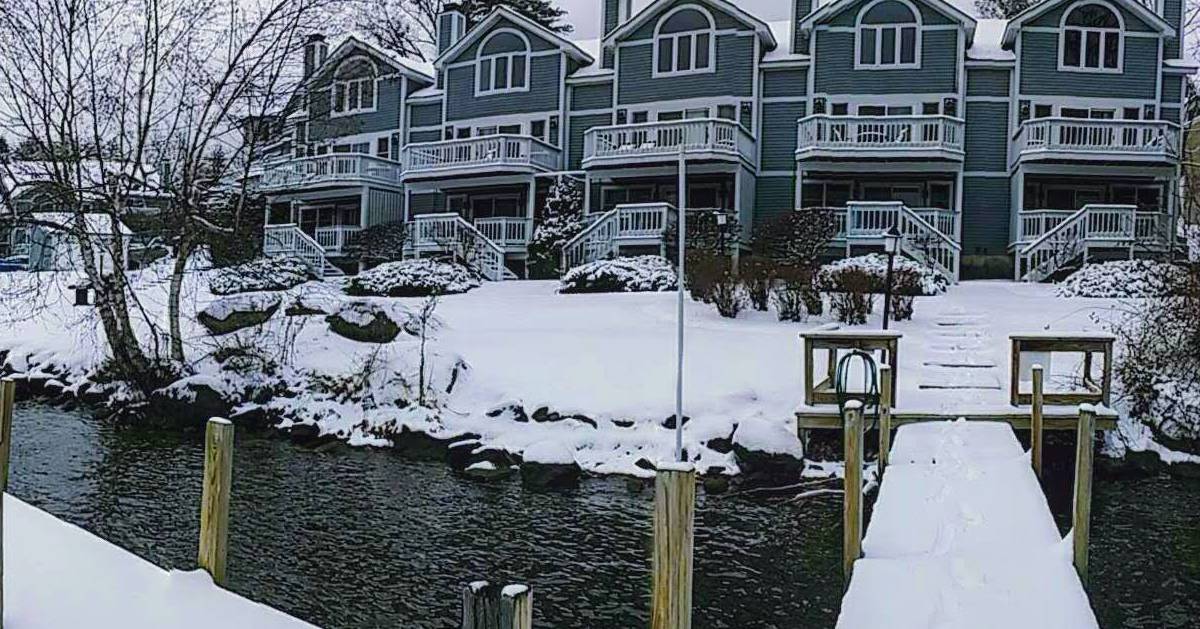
[
  {"x": 638, "y": 223},
  {"x": 710, "y": 137},
  {"x": 1092, "y": 137},
  {"x": 822, "y": 134},
  {"x": 504, "y": 151},
  {"x": 507, "y": 231},
  {"x": 1147, "y": 226},
  {"x": 335, "y": 168},
  {"x": 335, "y": 239}
]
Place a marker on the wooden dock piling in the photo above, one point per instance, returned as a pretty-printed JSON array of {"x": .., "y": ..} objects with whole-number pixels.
[
  {"x": 214, "y": 500},
  {"x": 1081, "y": 511},
  {"x": 8, "y": 396},
  {"x": 1035, "y": 420},
  {"x": 487, "y": 606},
  {"x": 885, "y": 415},
  {"x": 852, "y": 511},
  {"x": 674, "y": 521}
]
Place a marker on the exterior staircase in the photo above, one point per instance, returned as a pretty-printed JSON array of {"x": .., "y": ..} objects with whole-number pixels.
[
  {"x": 927, "y": 232},
  {"x": 432, "y": 234},
  {"x": 1093, "y": 227},
  {"x": 638, "y": 224},
  {"x": 290, "y": 240}
]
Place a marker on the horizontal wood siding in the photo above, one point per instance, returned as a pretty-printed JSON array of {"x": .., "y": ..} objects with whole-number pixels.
[
  {"x": 987, "y": 136},
  {"x": 1172, "y": 89},
  {"x": 1172, "y": 13},
  {"x": 734, "y": 75},
  {"x": 544, "y": 83},
  {"x": 836, "y": 74},
  {"x": 384, "y": 206},
  {"x": 579, "y": 125},
  {"x": 591, "y": 96},
  {"x": 432, "y": 135},
  {"x": 988, "y": 82},
  {"x": 425, "y": 114},
  {"x": 1053, "y": 18},
  {"x": 536, "y": 42},
  {"x": 788, "y": 82},
  {"x": 848, "y": 16},
  {"x": 1171, "y": 113},
  {"x": 985, "y": 218},
  {"x": 1040, "y": 74},
  {"x": 386, "y": 116},
  {"x": 779, "y": 135},
  {"x": 773, "y": 196},
  {"x": 430, "y": 203},
  {"x": 646, "y": 30}
]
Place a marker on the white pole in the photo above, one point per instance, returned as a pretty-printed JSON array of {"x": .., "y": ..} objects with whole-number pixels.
[{"x": 682, "y": 231}]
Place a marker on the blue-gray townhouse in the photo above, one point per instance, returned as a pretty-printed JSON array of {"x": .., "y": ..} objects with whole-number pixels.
[{"x": 1000, "y": 148}]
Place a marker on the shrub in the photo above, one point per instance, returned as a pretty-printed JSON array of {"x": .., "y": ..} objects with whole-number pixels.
[
  {"x": 379, "y": 243},
  {"x": 908, "y": 277},
  {"x": 852, "y": 301},
  {"x": 621, "y": 275},
  {"x": 758, "y": 274},
  {"x": 562, "y": 220},
  {"x": 413, "y": 278},
  {"x": 793, "y": 295},
  {"x": 263, "y": 274},
  {"x": 708, "y": 241},
  {"x": 1126, "y": 279},
  {"x": 728, "y": 294}
]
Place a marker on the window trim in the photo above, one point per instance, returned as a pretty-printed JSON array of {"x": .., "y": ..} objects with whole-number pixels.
[
  {"x": 345, "y": 85},
  {"x": 711, "y": 31},
  {"x": 480, "y": 58},
  {"x": 1105, "y": 32},
  {"x": 898, "y": 27}
]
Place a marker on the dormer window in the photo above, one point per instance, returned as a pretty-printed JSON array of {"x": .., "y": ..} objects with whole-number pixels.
[
  {"x": 1091, "y": 39},
  {"x": 888, "y": 36},
  {"x": 503, "y": 63},
  {"x": 353, "y": 88},
  {"x": 683, "y": 42}
]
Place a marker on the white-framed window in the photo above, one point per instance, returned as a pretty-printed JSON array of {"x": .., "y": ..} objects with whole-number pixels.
[
  {"x": 888, "y": 36},
  {"x": 1090, "y": 38},
  {"x": 685, "y": 42},
  {"x": 353, "y": 89},
  {"x": 502, "y": 66}
]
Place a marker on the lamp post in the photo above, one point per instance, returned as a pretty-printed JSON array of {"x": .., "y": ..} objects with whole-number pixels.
[{"x": 891, "y": 245}]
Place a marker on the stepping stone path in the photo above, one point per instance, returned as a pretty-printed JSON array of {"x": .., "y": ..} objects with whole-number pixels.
[{"x": 958, "y": 355}]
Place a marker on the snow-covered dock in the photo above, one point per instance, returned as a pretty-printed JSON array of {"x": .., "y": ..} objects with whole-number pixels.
[
  {"x": 57, "y": 575},
  {"x": 961, "y": 536}
]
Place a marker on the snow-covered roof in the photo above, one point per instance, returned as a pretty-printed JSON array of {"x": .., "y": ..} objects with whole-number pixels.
[
  {"x": 412, "y": 68},
  {"x": 988, "y": 43},
  {"x": 592, "y": 48},
  {"x": 95, "y": 223},
  {"x": 782, "y": 29},
  {"x": 432, "y": 91}
]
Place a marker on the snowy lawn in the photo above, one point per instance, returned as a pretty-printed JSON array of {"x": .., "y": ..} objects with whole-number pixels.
[
  {"x": 606, "y": 357},
  {"x": 57, "y": 575}
]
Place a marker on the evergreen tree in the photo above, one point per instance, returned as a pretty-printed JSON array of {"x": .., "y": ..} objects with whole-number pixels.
[
  {"x": 543, "y": 12},
  {"x": 562, "y": 220}
]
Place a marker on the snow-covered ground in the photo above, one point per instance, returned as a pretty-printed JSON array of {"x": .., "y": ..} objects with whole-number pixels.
[
  {"x": 57, "y": 575},
  {"x": 607, "y": 358}
]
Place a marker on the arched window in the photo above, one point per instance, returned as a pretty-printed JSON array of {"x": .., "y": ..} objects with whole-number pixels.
[
  {"x": 354, "y": 86},
  {"x": 683, "y": 42},
  {"x": 888, "y": 35},
  {"x": 503, "y": 63},
  {"x": 1091, "y": 38}
]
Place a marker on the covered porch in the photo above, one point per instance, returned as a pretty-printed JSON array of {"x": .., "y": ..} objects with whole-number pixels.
[
  {"x": 502, "y": 209},
  {"x": 933, "y": 196}
]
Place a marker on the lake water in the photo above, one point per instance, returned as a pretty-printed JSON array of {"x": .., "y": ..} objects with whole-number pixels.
[{"x": 369, "y": 538}]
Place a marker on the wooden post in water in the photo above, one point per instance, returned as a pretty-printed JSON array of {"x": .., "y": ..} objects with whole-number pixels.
[
  {"x": 1081, "y": 511},
  {"x": 487, "y": 606},
  {"x": 214, "y": 499},
  {"x": 674, "y": 513},
  {"x": 852, "y": 511},
  {"x": 516, "y": 607},
  {"x": 8, "y": 396},
  {"x": 885, "y": 415},
  {"x": 1035, "y": 422}
]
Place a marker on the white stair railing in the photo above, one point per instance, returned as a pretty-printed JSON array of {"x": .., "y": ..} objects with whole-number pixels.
[
  {"x": 450, "y": 233},
  {"x": 1092, "y": 225},
  {"x": 632, "y": 223},
  {"x": 923, "y": 241},
  {"x": 290, "y": 240},
  {"x": 597, "y": 242}
]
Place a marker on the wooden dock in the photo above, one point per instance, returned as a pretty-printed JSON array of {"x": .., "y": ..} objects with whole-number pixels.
[{"x": 961, "y": 535}]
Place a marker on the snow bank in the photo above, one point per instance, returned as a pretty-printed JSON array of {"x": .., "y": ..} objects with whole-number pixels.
[
  {"x": 413, "y": 278},
  {"x": 639, "y": 274},
  {"x": 57, "y": 575},
  {"x": 1125, "y": 279},
  {"x": 264, "y": 274}
]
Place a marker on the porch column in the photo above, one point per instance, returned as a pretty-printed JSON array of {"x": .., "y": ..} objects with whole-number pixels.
[
  {"x": 587, "y": 193},
  {"x": 1016, "y": 205},
  {"x": 532, "y": 210},
  {"x": 958, "y": 221},
  {"x": 364, "y": 205}
]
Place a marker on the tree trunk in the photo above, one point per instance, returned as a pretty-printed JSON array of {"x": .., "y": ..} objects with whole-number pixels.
[{"x": 176, "y": 288}]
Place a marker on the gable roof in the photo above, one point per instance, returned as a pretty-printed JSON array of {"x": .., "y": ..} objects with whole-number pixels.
[
  {"x": 1033, "y": 11},
  {"x": 352, "y": 43},
  {"x": 503, "y": 12},
  {"x": 832, "y": 8},
  {"x": 761, "y": 28}
]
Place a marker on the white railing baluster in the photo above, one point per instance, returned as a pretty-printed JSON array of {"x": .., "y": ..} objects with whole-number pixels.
[
  {"x": 1083, "y": 135},
  {"x": 823, "y": 131},
  {"x": 492, "y": 150},
  {"x": 665, "y": 139}
]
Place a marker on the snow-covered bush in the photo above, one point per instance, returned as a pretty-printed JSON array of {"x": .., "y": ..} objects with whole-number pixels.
[
  {"x": 263, "y": 274},
  {"x": 641, "y": 274},
  {"x": 413, "y": 278},
  {"x": 561, "y": 221},
  {"x": 1125, "y": 279},
  {"x": 908, "y": 277}
]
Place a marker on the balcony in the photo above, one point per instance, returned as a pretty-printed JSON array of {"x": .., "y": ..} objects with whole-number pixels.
[
  {"x": 475, "y": 156},
  {"x": 657, "y": 142},
  {"x": 325, "y": 171},
  {"x": 509, "y": 232},
  {"x": 822, "y": 136},
  {"x": 1098, "y": 140}
]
